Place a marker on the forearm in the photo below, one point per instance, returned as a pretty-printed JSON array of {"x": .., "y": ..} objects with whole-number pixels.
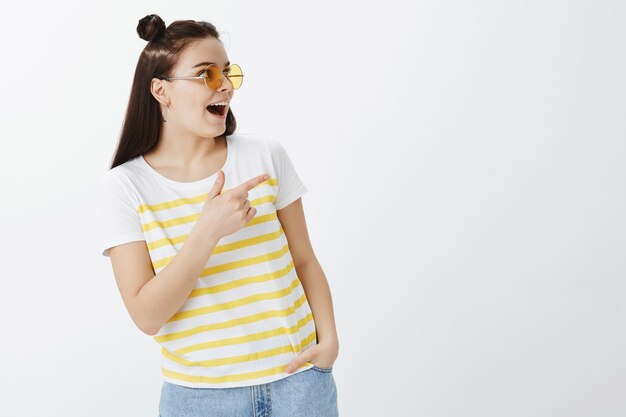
[
  {"x": 319, "y": 297},
  {"x": 165, "y": 294}
]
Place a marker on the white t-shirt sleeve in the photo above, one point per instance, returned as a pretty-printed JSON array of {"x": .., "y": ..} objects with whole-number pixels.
[
  {"x": 290, "y": 186},
  {"x": 118, "y": 216}
]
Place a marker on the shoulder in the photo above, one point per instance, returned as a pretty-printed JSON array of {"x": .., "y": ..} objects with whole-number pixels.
[
  {"x": 273, "y": 146},
  {"x": 116, "y": 174},
  {"x": 120, "y": 177},
  {"x": 250, "y": 140},
  {"x": 257, "y": 145}
]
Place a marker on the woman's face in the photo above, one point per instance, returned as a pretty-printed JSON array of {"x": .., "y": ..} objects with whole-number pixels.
[{"x": 189, "y": 98}]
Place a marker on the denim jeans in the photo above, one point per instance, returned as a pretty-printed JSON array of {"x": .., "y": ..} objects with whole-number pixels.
[{"x": 309, "y": 393}]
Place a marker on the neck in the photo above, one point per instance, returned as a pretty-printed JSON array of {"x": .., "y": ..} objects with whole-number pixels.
[{"x": 180, "y": 149}]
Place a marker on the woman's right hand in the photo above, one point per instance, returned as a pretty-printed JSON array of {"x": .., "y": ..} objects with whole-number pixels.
[{"x": 225, "y": 213}]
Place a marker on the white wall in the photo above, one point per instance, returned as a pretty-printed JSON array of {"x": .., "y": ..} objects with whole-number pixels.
[{"x": 465, "y": 162}]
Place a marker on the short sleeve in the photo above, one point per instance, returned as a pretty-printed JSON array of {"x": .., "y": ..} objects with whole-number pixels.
[
  {"x": 119, "y": 220},
  {"x": 290, "y": 186}
]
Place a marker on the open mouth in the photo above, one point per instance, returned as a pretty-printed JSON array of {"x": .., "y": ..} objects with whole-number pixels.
[{"x": 219, "y": 110}]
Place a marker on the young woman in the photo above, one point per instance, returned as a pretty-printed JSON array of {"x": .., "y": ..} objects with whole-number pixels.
[{"x": 208, "y": 242}]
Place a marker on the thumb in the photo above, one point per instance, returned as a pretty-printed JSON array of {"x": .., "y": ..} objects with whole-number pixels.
[
  {"x": 299, "y": 360},
  {"x": 217, "y": 186}
]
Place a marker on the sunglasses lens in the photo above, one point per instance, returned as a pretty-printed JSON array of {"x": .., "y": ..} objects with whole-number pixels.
[
  {"x": 213, "y": 77},
  {"x": 235, "y": 75}
]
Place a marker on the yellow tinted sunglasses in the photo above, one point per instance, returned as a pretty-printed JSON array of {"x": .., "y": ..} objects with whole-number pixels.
[{"x": 213, "y": 76}]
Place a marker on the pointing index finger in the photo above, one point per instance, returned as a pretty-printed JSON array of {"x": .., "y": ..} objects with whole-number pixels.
[{"x": 251, "y": 183}]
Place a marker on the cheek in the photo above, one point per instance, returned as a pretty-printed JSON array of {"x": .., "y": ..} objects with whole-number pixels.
[
  {"x": 196, "y": 109},
  {"x": 193, "y": 99}
]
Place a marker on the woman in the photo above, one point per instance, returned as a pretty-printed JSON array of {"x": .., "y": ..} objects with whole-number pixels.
[{"x": 196, "y": 221}]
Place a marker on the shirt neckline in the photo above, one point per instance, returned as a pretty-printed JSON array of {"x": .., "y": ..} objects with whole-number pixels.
[{"x": 192, "y": 184}]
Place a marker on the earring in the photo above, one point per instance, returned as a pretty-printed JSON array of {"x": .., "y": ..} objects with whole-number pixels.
[{"x": 168, "y": 112}]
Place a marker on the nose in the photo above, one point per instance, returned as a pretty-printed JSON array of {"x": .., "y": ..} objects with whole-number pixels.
[{"x": 226, "y": 84}]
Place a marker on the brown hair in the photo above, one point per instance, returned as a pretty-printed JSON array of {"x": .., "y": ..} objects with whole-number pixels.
[{"x": 142, "y": 122}]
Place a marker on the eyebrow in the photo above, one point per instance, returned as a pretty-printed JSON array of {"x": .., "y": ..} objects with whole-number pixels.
[{"x": 204, "y": 64}]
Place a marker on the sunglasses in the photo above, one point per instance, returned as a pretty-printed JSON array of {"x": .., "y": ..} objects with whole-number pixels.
[{"x": 213, "y": 76}]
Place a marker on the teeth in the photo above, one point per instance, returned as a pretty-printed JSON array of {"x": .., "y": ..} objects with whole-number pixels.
[{"x": 222, "y": 103}]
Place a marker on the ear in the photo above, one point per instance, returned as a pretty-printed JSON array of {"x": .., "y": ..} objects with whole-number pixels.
[{"x": 157, "y": 88}]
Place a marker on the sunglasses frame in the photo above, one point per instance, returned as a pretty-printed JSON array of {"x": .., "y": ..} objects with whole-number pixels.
[{"x": 205, "y": 76}]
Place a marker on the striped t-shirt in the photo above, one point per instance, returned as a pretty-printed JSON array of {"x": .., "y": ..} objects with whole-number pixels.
[{"x": 248, "y": 315}]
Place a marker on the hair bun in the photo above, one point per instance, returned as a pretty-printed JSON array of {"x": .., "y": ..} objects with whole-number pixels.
[{"x": 151, "y": 27}]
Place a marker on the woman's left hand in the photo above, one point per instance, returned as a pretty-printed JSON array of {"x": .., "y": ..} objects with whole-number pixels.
[{"x": 322, "y": 354}]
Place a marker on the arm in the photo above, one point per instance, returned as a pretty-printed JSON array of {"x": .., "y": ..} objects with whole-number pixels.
[
  {"x": 152, "y": 299},
  {"x": 313, "y": 280}
]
